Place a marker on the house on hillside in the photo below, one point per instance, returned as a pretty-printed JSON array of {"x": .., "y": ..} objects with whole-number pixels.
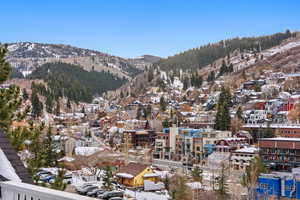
[{"x": 134, "y": 175}]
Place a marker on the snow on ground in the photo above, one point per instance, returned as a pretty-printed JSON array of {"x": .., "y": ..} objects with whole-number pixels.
[
  {"x": 146, "y": 195},
  {"x": 281, "y": 48},
  {"x": 87, "y": 151},
  {"x": 6, "y": 169}
]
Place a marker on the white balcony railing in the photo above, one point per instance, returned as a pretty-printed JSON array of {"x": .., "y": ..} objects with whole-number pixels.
[{"x": 11, "y": 190}]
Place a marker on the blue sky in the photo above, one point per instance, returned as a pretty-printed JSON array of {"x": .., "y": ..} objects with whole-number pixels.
[{"x": 131, "y": 28}]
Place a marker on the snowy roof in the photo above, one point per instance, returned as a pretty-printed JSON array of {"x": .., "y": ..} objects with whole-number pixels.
[
  {"x": 87, "y": 151},
  {"x": 151, "y": 175},
  {"x": 247, "y": 150},
  {"x": 281, "y": 139},
  {"x": 194, "y": 185},
  {"x": 11, "y": 164},
  {"x": 271, "y": 125},
  {"x": 124, "y": 175},
  {"x": 6, "y": 169}
]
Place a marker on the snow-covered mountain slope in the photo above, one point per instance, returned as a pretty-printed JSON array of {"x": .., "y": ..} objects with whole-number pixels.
[{"x": 27, "y": 56}]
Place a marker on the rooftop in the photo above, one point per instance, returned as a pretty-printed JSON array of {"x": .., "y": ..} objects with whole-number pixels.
[{"x": 281, "y": 139}]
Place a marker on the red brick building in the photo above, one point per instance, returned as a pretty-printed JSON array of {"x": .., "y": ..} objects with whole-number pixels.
[{"x": 280, "y": 153}]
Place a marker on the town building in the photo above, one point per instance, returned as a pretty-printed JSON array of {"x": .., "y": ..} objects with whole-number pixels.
[
  {"x": 280, "y": 153},
  {"x": 134, "y": 175},
  {"x": 241, "y": 158}
]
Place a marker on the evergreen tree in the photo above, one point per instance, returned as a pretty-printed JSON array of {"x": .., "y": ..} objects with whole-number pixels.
[
  {"x": 185, "y": 83},
  {"x": 223, "y": 69},
  {"x": 211, "y": 76},
  {"x": 5, "y": 68},
  {"x": 49, "y": 104},
  {"x": 163, "y": 104},
  {"x": 222, "y": 184},
  {"x": 165, "y": 123},
  {"x": 57, "y": 109},
  {"x": 25, "y": 94},
  {"x": 10, "y": 99},
  {"x": 37, "y": 106},
  {"x": 108, "y": 178},
  {"x": 149, "y": 110},
  {"x": 223, "y": 119},
  {"x": 50, "y": 154},
  {"x": 69, "y": 104},
  {"x": 59, "y": 183},
  {"x": 83, "y": 109},
  {"x": 268, "y": 132}
]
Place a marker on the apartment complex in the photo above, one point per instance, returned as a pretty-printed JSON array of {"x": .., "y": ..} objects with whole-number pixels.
[{"x": 280, "y": 153}]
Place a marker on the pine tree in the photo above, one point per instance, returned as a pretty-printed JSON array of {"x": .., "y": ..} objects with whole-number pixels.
[
  {"x": 5, "y": 68},
  {"x": 185, "y": 84},
  {"x": 69, "y": 104},
  {"x": 10, "y": 99},
  {"x": 148, "y": 110},
  {"x": 108, "y": 178},
  {"x": 25, "y": 94},
  {"x": 37, "y": 106},
  {"x": 57, "y": 109},
  {"x": 165, "y": 123},
  {"x": 223, "y": 69},
  {"x": 49, "y": 104},
  {"x": 223, "y": 119},
  {"x": 211, "y": 77},
  {"x": 163, "y": 104},
  {"x": 49, "y": 150},
  {"x": 59, "y": 183}
]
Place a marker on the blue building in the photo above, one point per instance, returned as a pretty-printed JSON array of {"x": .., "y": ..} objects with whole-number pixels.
[{"x": 279, "y": 184}]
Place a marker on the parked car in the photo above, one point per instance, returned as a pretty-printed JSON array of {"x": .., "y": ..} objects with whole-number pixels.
[
  {"x": 116, "y": 198},
  {"x": 68, "y": 179},
  {"x": 81, "y": 187},
  {"x": 45, "y": 177},
  {"x": 87, "y": 189},
  {"x": 93, "y": 192},
  {"x": 108, "y": 195}
]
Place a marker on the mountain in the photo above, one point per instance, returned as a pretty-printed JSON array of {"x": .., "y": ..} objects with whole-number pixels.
[
  {"x": 144, "y": 61},
  {"x": 197, "y": 58},
  {"x": 73, "y": 82},
  {"x": 226, "y": 60},
  {"x": 27, "y": 56}
]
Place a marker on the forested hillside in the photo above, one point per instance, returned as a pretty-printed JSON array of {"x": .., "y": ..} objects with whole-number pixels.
[
  {"x": 73, "y": 82},
  {"x": 199, "y": 57}
]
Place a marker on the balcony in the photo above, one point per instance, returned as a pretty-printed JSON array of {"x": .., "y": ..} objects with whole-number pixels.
[{"x": 11, "y": 190}]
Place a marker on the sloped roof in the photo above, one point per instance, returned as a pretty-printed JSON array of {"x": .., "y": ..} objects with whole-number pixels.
[
  {"x": 14, "y": 159},
  {"x": 133, "y": 168}
]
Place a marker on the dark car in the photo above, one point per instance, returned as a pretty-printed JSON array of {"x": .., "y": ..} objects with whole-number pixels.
[
  {"x": 108, "y": 195},
  {"x": 87, "y": 189},
  {"x": 95, "y": 192},
  {"x": 116, "y": 198}
]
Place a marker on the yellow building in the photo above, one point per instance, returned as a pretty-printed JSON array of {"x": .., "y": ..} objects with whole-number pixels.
[{"x": 134, "y": 174}]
